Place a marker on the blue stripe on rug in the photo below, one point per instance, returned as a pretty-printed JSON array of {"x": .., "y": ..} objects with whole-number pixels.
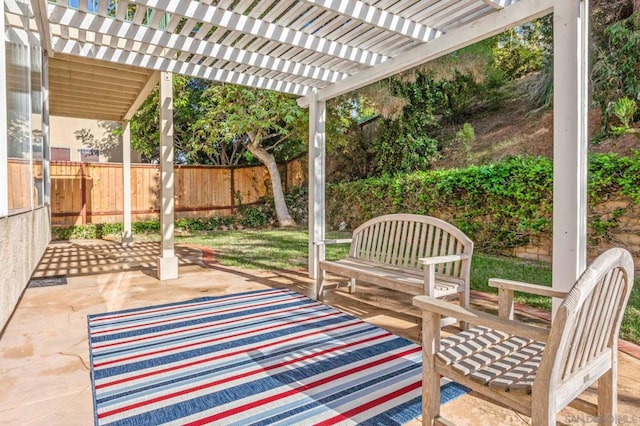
[{"x": 256, "y": 358}]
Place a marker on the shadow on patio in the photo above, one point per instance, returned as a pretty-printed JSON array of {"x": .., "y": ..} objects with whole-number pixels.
[{"x": 44, "y": 357}]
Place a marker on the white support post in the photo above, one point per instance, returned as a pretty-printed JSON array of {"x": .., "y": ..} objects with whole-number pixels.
[
  {"x": 570, "y": 141},
  {"x": 167, "y": 261},
  {"x": 46, "y": 129},
  {"x": 317, "y": 118},
  {"x": 4, "y": 177},
  {"x": 127, "y": 233}
]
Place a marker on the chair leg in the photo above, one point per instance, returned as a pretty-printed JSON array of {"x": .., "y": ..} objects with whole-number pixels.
[
  {"x": 320, "y": 285},
  {"x": 607, "y": 396},
  {"x": 352, "y": 285},
  {"x": 543, "y": 407},
  {"x": 430, "y": 378},
  {"x": 464, "y": 302}
]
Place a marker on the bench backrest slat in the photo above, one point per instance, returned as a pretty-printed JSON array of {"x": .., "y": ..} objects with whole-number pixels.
[{"x": 401, "y": 239}]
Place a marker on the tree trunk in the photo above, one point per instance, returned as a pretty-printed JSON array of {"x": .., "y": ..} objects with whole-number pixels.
[{"x": 284, "y": 219}]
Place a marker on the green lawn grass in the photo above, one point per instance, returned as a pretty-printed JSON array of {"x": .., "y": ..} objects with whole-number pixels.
[{"x": 287, "y": 249}]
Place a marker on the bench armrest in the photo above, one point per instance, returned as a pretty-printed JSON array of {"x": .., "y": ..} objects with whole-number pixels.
[
  {"x": 440, "y": 307},
  {"x": 335, "y": 241},
  {"x": 443, "y": 259},
  {"x": 539, "y": 290}
]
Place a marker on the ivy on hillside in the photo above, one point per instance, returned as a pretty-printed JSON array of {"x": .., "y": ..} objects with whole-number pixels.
[{"x": 500, "y": 206}]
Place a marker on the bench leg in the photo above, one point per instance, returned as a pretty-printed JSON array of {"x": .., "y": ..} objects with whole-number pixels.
[
  {"x": 352, "y": 285},
  {"x": 322, "y": 274}
]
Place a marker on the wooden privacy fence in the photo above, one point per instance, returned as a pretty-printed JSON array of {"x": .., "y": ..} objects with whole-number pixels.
[{"x": 84, "y": 193}]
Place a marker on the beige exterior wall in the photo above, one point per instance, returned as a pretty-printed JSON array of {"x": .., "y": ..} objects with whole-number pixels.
[
  {"x": 70, "y": 133},
  {"x": 24, "y": 239}
]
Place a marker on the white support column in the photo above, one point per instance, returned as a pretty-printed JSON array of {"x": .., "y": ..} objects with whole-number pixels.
[
  {"x": 570, "y": 141},
  {"x": 46, "y": 129},
  {"x": 317, "y": 118},
  {"x": 4, "y": 190},
  {"x": 127, "y": 233},
  {"x": 167, "y": 261}
]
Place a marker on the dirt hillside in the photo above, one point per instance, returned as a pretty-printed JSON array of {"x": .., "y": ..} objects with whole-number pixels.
[{"x": 517, "y": 128}]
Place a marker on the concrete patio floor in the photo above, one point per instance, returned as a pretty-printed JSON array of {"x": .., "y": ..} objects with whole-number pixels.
[{"x": 44, "y": 359}]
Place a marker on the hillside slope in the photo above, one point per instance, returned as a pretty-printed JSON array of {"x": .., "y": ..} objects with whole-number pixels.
[{"x": 518, "y": 127}]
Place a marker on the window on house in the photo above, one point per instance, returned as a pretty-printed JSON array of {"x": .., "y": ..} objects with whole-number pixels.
[
  {"x": 90, "y": 155},
  {"x": 60, "y": 154}
]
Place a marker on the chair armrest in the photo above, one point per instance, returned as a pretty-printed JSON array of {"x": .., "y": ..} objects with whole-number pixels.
[
  {"x": 443, "y": 259},
  {"x": 446, "y": 309},
  {"x": 335, "y": 241},
  {"x": 539, "y": 290}
]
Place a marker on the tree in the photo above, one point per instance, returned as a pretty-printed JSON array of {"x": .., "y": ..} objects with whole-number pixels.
[
  {"x": 226, "y": 125},
  {"x": 260, "y": 120}
]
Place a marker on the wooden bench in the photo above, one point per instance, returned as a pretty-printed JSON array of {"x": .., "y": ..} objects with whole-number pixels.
[{"x": 414, "y": 254}]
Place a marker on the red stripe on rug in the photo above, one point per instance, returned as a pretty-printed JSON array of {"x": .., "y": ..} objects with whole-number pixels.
[
  {"x": 208, "y": 325},
  {"x": 200, "y": 315},
  {"x": 301, "y": 388},
  {"x": 213, "y": 358},
  {"x": 364, "y": 407},
  {"x": 183, "y": 306},
  {"x": 217, "y": 339},
  {"x": 239, "y": 376}
]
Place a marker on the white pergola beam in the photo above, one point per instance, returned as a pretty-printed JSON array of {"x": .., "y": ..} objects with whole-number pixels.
[
  {"x": 4, "y": 177},
  {"x": 46, "y": 129},
  {"x": 317, "y": 154},
  {"x": 167, "y": 261},
  {"x": 108, "y": 26},
  {"x": 456, "y": 39},
  {"x": 127, "y": 232},
  {"x": 39, "y": 8},
  {"x": 266, "y": 30},
  {"x": 142, "y": 96},
  {"x": 317, "y": 159},
  {"x": 372, "y": 15},
  {"x": 570, "y": 142},
  {"x": 125, "y": 57}
]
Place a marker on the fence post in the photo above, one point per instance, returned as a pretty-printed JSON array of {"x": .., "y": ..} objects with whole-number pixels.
[
  {"x": 83, "y": 192},
  {"x": 232, "y": 187}
]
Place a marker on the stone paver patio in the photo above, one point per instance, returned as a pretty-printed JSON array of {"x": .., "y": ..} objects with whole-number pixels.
[{"x": 44, "y": 359}]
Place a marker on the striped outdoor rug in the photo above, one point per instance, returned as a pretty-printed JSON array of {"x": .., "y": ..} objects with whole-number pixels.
[{"x": 264, "y": 357}]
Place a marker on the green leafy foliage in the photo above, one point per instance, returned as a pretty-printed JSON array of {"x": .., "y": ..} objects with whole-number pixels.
[
  {"x": 625, "y": 110},
  {"x": 616, "y": 71},
  {"x": 521, "y": 50},
  {"x": 500, "y": 206},
  {"x": 465, "y": 136}
]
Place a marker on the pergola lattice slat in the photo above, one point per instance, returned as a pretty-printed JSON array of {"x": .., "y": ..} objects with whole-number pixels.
[
  {"x": 121, "y": 56},
  {"x": 256, "y": 27},
  {"x": 480, "y": 29},
  {"x": 370, "y": 14},
  {"x": 188, "y": 45}
]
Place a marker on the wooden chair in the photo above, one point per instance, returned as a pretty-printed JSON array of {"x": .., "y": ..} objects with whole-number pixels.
[{"x": 531, "y": 369}]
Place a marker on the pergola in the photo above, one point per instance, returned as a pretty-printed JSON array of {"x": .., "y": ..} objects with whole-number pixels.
[{"x": 315, "y": 50}]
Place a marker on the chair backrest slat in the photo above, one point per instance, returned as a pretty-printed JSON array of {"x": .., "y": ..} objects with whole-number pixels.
[{"x": 587, "y": 324}]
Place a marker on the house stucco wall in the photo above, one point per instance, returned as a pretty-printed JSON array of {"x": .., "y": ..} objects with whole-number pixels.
[
  {"x": 69, "y": 132},
  {"x": 23, "y": 240}
]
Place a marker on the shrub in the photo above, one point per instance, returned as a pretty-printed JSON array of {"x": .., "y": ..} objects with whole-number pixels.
[
  {"x": 466, "y": 136},
  {"x": 625, "y": 109},
  {"x": 616, "y": 70},
  {"x": 500, "y": 206}
]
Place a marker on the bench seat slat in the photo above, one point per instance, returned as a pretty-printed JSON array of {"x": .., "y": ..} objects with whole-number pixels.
[{"x": 395, "y": 278}]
